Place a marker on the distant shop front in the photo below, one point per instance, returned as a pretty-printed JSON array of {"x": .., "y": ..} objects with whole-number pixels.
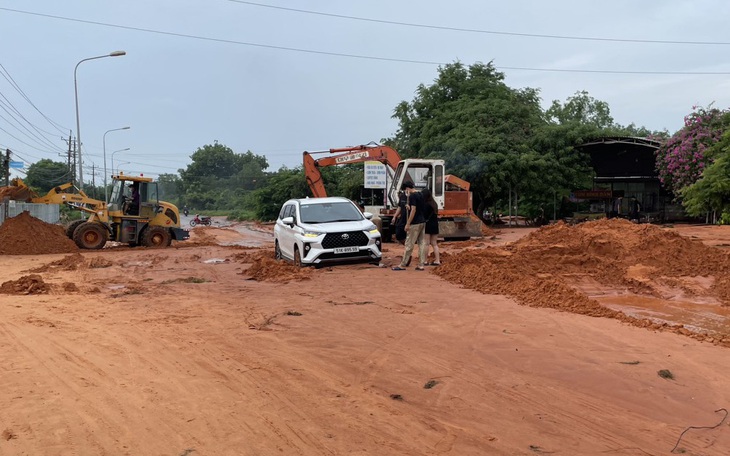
[{"x": 625, "y": 182}]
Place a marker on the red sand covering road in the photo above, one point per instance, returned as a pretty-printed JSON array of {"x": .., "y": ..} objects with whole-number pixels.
[{"x": 176, "y": 352}]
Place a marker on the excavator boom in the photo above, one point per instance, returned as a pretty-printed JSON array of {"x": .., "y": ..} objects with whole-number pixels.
[{"x": 345, "y": 155}]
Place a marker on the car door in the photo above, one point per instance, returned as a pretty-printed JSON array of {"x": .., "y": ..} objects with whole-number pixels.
[{"x": 286, "y": 232}]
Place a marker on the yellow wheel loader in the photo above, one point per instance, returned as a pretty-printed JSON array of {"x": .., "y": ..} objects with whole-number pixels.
[{"x": 134, "y": 214}]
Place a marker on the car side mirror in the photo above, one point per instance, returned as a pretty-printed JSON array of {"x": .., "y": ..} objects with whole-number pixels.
[
  {"x": 288, "y": 221},
  {"x": 367, "y": 215}
]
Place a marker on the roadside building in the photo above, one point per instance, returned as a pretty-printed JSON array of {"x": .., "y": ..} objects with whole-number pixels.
[{"x": 626, "y": 183}]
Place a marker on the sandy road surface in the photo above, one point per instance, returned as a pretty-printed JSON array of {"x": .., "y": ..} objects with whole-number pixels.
[{"x": 176, "y": 352}]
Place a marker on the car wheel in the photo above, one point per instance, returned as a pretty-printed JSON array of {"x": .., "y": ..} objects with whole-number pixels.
[
  {"x": 277, "y": 251},
  {"x": 297, "y": 258}
]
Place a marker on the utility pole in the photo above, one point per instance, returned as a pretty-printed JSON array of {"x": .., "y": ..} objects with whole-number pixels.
[
  {"x": 93, "y": 178},
  {"x": 70, "y": 151},
  {"x": 6, "y": 168}
]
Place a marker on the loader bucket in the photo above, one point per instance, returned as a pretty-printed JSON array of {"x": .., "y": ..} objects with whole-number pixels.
[{"x": 16, "y": 193}]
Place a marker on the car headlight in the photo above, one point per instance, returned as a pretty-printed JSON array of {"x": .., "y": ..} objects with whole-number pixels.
[
  {"x": 372, "y": 229},
  {"x": 313, "y": 234}
]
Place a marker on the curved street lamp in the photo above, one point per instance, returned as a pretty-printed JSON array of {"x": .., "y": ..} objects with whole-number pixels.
[
  {"x": 106, "y": 191},
  {"x": 120, "y": 164},
  {"x": 78, "y": 126},
  {"x": 120, "y": 150}
]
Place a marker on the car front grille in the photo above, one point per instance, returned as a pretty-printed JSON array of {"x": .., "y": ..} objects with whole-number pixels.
[{"x": 348, "y": 239}]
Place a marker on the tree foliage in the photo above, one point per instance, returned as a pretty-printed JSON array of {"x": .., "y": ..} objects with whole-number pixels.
[
  {"x": 45, "y": 174},
  {"x": 219, "y": 178},
  {"x": 499, "y": 138},
  {"x": 682, "y": 159},
  {"x": 711, "y": 192},
  {"x": 582, "y": 109},
  {"x": 282, "y": 185}
]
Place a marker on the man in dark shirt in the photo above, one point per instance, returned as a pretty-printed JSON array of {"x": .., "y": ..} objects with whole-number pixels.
[
  {"x": 134, "y": 204},
  {"x": 415, "y": 225},
  {"x": 401, "y": 217}
]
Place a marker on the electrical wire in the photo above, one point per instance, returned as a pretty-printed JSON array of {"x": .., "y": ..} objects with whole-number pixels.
[
  {"x": 6, "y": 74},
  {"x": 354, "y": 56},
  {"x": 38, "y": 138},
  {"x": 490, "y": 32},
  {"x": 21, "y": 141}
]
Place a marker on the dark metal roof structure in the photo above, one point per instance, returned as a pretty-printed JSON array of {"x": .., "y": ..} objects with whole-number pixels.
[{"x": 622, "y": 157}]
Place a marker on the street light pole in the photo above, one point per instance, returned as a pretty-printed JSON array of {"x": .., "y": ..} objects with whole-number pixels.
[
  {"x": 120, "y": 150},
  {"x": 120, "y": 164},
  {"x": 78, "y": 124},
  {"x": 106, "y": 192}
]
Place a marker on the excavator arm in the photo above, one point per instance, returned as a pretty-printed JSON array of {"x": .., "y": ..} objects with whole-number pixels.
[{"x": 345, "y": 155}]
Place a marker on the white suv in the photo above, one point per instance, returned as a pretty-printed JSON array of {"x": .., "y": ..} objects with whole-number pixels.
[{"x": 314, "y": 231}]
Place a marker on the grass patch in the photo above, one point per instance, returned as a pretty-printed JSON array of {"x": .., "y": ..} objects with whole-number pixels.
[{"x": 666, "y": 373}]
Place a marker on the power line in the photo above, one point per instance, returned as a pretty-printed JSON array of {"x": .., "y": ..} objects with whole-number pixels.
[
  {"x": 6, "y": 74},
  {"x": 490, "y": 32},
  {"x": 21, "y": 141},
  {"x": 41, "y": 140},
  {"x": 356, "y": 56}
]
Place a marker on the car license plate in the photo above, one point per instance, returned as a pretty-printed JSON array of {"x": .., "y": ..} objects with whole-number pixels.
[{"x": 347, "y": 249}]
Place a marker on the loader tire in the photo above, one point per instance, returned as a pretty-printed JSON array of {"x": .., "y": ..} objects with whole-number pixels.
[
  {"x": 72, "y": 227},
  {"x": 156, "y": 237},
  {"x": 89, "y": 235}
]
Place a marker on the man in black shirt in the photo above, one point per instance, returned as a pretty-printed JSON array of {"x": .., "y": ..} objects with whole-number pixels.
[
  {"x": 401, "y": 217},
  {"x": 415, "y": 225}
]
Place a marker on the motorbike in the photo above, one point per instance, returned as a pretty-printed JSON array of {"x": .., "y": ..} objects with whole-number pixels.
[
  {"x": 201, "y": 220},
  {"x": 186, "y": 212}
]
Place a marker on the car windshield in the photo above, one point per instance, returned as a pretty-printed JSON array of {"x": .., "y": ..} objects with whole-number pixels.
[{"x": 330, "y": 212}]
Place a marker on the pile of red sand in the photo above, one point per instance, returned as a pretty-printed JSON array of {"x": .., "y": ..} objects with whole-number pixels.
[
  {"x": 265, "y": 268},
  {"x": 30, "y": 284},
  {"x": 532, "y": 269},
  {"x": 27, "y": 235},
  {"x": 67, "y": 263}
]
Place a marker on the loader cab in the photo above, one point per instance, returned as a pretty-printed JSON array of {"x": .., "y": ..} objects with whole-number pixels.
[
  {"x": 423, "y": 174},
  {"x": 122, "y": 192}
]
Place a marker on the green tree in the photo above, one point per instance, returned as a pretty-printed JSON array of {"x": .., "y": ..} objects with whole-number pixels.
[
  {"x": 219, "y": 178},
  {"x": 582, "y": 109},
  {"x": 45, "y": 174},
  {"x": 711, "y": 192},
  {"x": 482, "y": 128},
  {"x": 282, "y": 185},
  {"x": 170, "y": 187}
]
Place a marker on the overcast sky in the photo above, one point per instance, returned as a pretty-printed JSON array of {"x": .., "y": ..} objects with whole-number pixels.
[{"x": 278, "y": 82}]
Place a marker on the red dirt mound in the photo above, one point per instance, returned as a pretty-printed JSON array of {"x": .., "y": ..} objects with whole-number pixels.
[
  {"x": 27, "y": 235},
  {"x": 30, "y": 284},
  {"x": 268, "y": 269},
  {"x": 531, "y": 270},
  {"x": 67, "y": 263}
]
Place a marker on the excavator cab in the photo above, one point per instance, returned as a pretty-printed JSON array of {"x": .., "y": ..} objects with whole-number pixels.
[{"x": 423, "y": 174}]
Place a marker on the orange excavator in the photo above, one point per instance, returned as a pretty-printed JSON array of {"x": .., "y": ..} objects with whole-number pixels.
[{"x": 452, "y": 195}]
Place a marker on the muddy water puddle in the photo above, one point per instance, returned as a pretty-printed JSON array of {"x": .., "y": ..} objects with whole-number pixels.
[{"x": 696, "y": 316}]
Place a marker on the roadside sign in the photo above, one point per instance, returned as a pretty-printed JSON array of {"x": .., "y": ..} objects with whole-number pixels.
[
  {"x": 375, "y": 174},
  {"x": 16, "y": 165}
]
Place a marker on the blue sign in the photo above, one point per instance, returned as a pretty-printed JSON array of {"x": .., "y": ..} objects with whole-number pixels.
[{"x": 16, "y": 165}]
